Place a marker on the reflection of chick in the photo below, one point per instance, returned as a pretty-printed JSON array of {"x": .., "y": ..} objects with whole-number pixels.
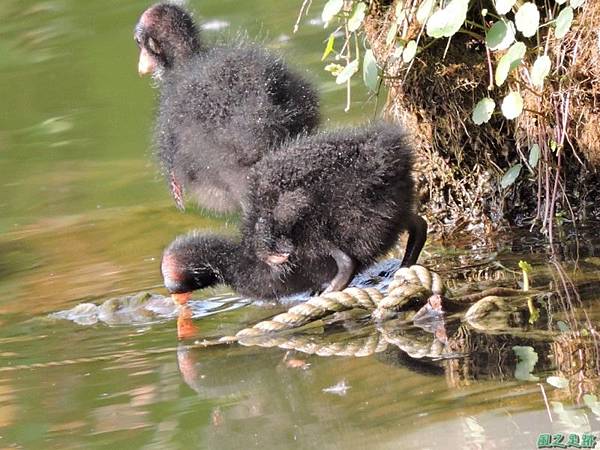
[
  {"x": 220, "y": 108},
  {"x": 318, "y": 211}
]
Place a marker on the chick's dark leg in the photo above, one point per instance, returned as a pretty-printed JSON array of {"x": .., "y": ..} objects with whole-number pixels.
[
  {"x": 346, "y": 268},
  {"x": 417, "y": 234}
]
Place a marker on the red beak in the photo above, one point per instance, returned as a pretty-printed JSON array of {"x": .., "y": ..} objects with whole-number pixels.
[{"x": 182, "y": 298}]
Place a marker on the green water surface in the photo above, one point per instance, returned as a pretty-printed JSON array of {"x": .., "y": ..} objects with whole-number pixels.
[{"x": 84, "y": 216}]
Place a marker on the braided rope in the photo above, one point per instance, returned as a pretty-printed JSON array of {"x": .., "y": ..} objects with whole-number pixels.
[{"x": 415, "y": 283}]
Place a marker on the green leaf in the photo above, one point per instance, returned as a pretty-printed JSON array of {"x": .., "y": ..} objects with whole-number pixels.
[
  {"x": 328, "y": 47},
  {"x": 540, "y": 70},
  {"x": 525, "y": 266},
  {"x": 334, "y": 69},
  {"x": 398, "y": 50},
  {"x": 511, "y": 175},
  {"x": 527, "y": 19},
  {"x": 347, "y": 72},
  {"x": 400, "y": 12},
  {"x": 590, "y": 400},
  {"x": 447, "y": 21},
  {"x": 526, "y": 361},
  {"x": 563, "y": 22},
  {"x": 534, "y": 312},
  {"x": 501, "y": 35},
  {"x": 509, "y": 61},
  {"x": 357, "y": 17},
  {"x": 331, "y": 8},
  {"x": 409, "y": 52},
  {"x": 503, "y": 6},
  {"x": 576, "y": 3},
  {"x": 558, "y": 382},
  {"x": 370, "y": 71},
  {"x": 534, "y": 155},
  {"x": 483, "y": 111},
  {"x": 512, "y": 105},
  {"x": 425, "y": 10},
  {"x": 391, "y": 35}
]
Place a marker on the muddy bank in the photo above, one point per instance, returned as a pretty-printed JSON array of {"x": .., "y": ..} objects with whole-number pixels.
[{"x": 461, "y": 163}]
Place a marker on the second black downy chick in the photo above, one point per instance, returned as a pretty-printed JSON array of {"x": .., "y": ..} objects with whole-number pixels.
[
  {"x": 344, "y": 194},
  {"x": 221, "y": 108},
  {"x": 319, "y": 210}
]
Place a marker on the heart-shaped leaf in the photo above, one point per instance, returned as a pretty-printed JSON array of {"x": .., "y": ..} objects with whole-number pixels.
[
  {"x": 398, "y": 51},
  {"x": 447, "y": 21},
  {"x": 512, "y": 105},
  {"x": 511, "y": 59},
  {"x": 357, "y": 17},
  {"x": 503, "y": 6},
  {"x": 563, "y": 22},
  {"x": 558, "y": 382},
  {"x": 534, "y": 155},
  {"x": 331, "y": 8},
  {"x": 483, "y": 111},
  {"x": 425, "y": 10},
  {"x": 511, "y": 176},
  {"x": 501, "y": 35},
  {"x": 527, "y": 19},
  {"x": 409, "y": 52},
  {"x": 347, "y": 72},
  {"x": 370, "y": 71},
  {"x": 540, "y": 70}
]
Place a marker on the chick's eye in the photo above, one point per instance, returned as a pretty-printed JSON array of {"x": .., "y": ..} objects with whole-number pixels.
[
  {"x": 153, "y": 46},
  {"x": 137, "y": 41}
]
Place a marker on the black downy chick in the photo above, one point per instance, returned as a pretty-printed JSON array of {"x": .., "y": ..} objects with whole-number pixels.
[
  {"x": 221, "y": 108},
  {"x": 319, "y": 210}
]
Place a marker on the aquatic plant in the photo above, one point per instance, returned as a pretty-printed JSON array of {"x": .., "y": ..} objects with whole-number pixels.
[{"x": 500, "y": 95}]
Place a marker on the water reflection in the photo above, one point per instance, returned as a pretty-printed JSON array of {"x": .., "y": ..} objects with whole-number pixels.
[
  {"x": 32, "y": 34},
  {"x": 84, "y": 218}
]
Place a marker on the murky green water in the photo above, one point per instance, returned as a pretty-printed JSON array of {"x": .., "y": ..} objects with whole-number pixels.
[{"x": 84, "y": 217}]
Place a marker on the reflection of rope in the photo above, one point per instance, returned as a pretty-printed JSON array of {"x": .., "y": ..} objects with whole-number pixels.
[
  {"x": 355, "y": 346},
  {"x": 415, "y": 283},
  {"x": 409, "y": 284}
]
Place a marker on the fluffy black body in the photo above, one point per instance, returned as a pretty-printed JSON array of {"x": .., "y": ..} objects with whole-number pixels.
[
  {"x": 221, "y": 108},
  {"x": 221, "y": 112},
  {"x": 348, "y": 190},
  {"x": 319, "y": 210}
]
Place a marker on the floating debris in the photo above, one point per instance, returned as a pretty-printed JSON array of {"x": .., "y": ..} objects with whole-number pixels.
[{"x": 340, "y": 388}]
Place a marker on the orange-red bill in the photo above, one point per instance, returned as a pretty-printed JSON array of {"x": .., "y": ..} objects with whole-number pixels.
[{"x": 182, "y": 298}]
